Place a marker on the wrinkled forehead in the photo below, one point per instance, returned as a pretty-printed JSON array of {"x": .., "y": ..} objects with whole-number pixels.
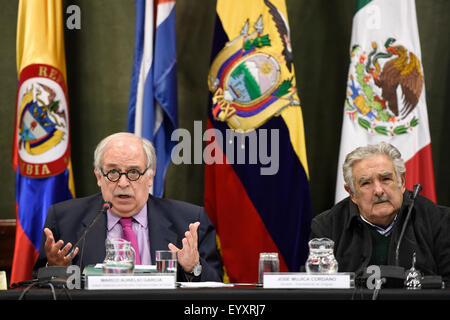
[
  {"x": 378, "y": 164},
  {"x": 124, "y": 151}
]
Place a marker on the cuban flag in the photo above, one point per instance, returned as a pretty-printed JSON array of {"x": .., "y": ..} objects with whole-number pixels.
[{"x": 152, "y": 108}]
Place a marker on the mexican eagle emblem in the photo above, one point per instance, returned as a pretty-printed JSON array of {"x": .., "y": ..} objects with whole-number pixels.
[{"x": 384, "y": 88}]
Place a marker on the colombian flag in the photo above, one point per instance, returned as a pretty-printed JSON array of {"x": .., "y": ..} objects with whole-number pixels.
[
  {"x": 256, "y": 175},
  {"x": 41, "y": 143}
]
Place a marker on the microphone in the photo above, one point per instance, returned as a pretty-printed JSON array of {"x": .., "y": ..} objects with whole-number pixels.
[
  {"x": 57, "y": 275},
  {"x": 417, "y": 188},
  {"x": 107, "y": 205}
]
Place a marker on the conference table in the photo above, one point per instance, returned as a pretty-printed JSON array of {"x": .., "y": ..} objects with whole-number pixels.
[
  {"x": 236, "y": 293},
  {"x": 242, "y": 301}
]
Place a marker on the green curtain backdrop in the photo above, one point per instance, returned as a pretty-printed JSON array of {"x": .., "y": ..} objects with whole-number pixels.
[{"x": 99, "y": 58}]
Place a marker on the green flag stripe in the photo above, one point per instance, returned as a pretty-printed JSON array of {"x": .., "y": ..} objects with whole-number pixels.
[{"x": 360, "y": 4}]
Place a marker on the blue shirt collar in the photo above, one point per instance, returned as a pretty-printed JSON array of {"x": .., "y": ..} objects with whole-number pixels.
[{"x": 383, "y": 231}]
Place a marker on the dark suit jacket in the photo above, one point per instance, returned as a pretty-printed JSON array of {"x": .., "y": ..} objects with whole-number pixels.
[{"x": 168, "y": 220}]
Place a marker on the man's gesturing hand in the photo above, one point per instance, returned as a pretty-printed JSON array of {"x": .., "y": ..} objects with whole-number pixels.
[
  {"x": 188, "y": 256},
  {"x": 55, "y": 255}
]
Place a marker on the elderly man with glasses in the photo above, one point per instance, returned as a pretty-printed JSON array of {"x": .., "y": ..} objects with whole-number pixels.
[{"x": 124, "y": 166}]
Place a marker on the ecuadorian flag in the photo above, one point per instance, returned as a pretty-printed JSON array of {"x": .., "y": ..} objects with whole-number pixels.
[
  {"x": 257, "y": 188},
  {"x": 41, "y": 143}
]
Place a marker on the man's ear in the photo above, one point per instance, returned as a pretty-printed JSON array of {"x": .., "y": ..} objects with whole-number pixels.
[
  {"x": 99, "y": 177},
  {"x": 350, "y": 192},
  {"x": 403, "y": 187},
  {"x": 151, "y": 175}
]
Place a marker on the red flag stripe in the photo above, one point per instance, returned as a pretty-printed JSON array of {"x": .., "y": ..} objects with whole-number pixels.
[
  {"x": 420, "y": 169},
  {"x": 25, "y": 255},
  {"x": 242, "y": 264}
]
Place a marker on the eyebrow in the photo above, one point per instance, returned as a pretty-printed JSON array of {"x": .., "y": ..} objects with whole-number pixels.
[
  {"x": 363, "y": 179},
  {"x": 383, "y": 175},
  {"x": 113, "y": 165},
  {"x": 386, "y": 174}
]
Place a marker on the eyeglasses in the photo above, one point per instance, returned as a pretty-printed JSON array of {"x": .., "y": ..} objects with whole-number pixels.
[{"x": 132, "y": 174}]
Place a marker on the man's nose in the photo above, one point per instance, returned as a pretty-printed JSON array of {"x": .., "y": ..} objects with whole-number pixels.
[
  {"x": 123, "y": 181},
  {"x": 378, "y": 188}
]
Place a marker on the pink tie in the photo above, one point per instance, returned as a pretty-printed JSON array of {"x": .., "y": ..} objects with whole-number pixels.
[{"x": 129, "y": 235}]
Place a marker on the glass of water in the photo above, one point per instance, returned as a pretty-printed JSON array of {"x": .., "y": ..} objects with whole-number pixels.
[
  {"x": 268, "y": 262},
  {"x": 166, "y": 261}
]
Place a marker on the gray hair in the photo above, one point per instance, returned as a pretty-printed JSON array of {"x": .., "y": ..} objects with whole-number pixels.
[
  {"x": 146, "y": 145},
  {"x": 370, "y": 150}
]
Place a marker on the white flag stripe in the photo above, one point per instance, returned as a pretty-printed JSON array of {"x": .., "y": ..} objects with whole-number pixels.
[
  {"x": 164, "y": 10},
  {"x": 377, "y": 22},
  {"x": 147, "y": 58}
]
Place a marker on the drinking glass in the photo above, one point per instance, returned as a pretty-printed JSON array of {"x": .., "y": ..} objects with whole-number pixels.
[
  {"x": 268, "y": 262},
  {"x": 166, "y": 261}
]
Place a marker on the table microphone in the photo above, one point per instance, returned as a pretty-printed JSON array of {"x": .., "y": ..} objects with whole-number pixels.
[
  {"x": 57, "y": 275},
  {"x": 417, "y": 188},
  {"x": 107, "y": 205}
]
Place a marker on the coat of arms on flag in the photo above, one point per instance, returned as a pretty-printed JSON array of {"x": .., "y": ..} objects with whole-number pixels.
[
  {"x": 252, "y": 78},
  {"x": 384, "y": 87},
  {"x": 253, "y": 91},
  {"x": 41, "y": 140},
  {"x": 385, "y": 98},
  {"x": 42, "y": 124}
]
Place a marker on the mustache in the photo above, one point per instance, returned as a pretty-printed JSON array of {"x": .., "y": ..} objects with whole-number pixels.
[
  {"x": 129, "y": 193},
  {"x": 381, "y": 199}
]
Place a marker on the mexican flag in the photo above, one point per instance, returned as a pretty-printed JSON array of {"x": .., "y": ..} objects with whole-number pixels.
[{"x": 385, "y": 98}]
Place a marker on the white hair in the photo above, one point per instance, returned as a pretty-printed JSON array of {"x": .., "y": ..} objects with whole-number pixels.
[
  {"x": 370, "y": 150},
  {"x": 146, "y": 145}
]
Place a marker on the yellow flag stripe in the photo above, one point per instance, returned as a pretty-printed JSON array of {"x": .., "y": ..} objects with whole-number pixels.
[
  {"x": 293, "y": 118},
  {"x": 40, "y": 40},
  {"x": 40, "y": 34},
  {"x": 233, "y": 19}
]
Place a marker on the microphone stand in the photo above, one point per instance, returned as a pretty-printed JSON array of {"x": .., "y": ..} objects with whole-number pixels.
[
  {"x": 417, "y": 188},
  {"x": 57, "y": 275},
  {"x": 430, "y": 281},
  {"x": 107, "y": 205}
]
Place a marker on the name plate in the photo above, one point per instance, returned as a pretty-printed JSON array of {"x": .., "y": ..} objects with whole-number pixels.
[
  {"x": 301, "y": 280},
  {"x": 135, "y": 281}
]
